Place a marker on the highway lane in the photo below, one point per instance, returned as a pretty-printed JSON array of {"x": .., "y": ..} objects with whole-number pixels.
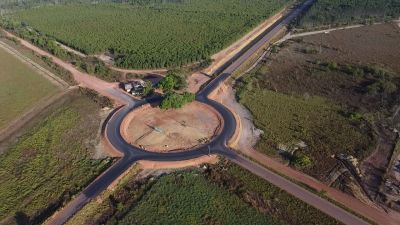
[{"x": 217, "y": 145}]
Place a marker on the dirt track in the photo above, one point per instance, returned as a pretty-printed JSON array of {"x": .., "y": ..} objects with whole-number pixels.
[{"x": 83, "y": 79}]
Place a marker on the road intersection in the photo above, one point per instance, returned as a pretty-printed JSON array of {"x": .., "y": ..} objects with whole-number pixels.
[{"x": 218, "y": 145}]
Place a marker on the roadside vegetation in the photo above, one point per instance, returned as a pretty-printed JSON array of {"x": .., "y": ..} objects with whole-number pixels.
[
  {"x": 172, "y": 81},
  {"x": 172, "y": 85},
  {"x": 306, "y": 131},
  {"x": 50, "y": 163},
  {"x": 150, "y": 34},
  {"x": 343, "y": 12},
  {"x": 325, "y": 101},
  {"x": 21, "y": 87},
  {"x": 312, "y": 104},
  {"x": 221, "y": 194}
]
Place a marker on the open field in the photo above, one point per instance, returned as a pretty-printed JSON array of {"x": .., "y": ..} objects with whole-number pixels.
[
  {"x": 329, "y": 89},
  {"x": 189, "y": 199},
  {"x": 179, "y": 33},
  {"x": 289, "y": 120},
  {"x": 175, "y": 129},
  {"x": 221, "y": 194},
  {"x": 37, "y": 59},
  {"x": 342, "y": 12},
  {"x": 21, "y": 87},
  {"x": 50, "y": 163},
  {"x": 338, "y": 66}
]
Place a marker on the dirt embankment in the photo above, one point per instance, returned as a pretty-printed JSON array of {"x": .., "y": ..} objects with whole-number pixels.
[
  {"x": 211, "y": 159},
  {"x": 246, "y": 134},
  {"x": 171, "y": 130}
]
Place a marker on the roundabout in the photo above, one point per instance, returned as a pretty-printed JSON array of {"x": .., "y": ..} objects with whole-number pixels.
[
  {"x": 157, "y": 130},
  {"x": 218, "y": 145}
]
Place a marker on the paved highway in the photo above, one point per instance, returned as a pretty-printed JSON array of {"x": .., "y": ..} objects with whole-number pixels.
[{"x": 217, "y": 145}]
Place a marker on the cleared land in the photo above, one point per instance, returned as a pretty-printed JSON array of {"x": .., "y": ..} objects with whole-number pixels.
[
  {"x": 341, "y": 12},
  {"x": 151, "y": 35},
  {"x": 220, "y": 194},
  {"x": 21, "y": 87},
  {"x": 324, "y": 90},
  {"x": 50, "y": 163},
  {"x": 175, "y": 129}
]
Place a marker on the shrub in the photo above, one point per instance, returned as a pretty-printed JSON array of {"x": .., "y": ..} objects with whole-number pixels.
[
  {"x": 302, "y": 162},
  {"x": 389, "y": 87},
  {"x": 333, "y": 66},
  {"x": 309, "y": 51},
  {"x": 172, "y": 82},
  {"x": 148, "y": 88},
  {"x": 175, "y": 100}
]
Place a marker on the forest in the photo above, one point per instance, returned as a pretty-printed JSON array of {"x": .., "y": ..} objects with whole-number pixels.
[
  {"x": 150, "y": 33},
  {"x": 343, "y": 12}
]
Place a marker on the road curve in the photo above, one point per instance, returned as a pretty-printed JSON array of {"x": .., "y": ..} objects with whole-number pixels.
[{"x": 216, "y": 146}]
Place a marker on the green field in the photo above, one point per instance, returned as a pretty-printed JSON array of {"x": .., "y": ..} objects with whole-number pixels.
[
  {"x": 21, "y": 87},
  {"x": 343, "y": 12},
  {"x": 287, "y": 120},
  {"x": 222, "y": 194},
  {"x": 190, "y": 199},
  {"x": 151, "y": 35},
  {"x": 50, "y": 163}
]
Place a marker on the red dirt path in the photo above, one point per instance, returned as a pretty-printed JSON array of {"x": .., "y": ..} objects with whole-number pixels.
[{"x": 83, "y": 79}]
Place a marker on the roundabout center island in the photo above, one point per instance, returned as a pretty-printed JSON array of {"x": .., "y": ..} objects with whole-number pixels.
[{"x": 157, "y": 130}]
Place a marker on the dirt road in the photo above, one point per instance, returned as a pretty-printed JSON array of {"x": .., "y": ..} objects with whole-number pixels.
[
  {"x": 83, "y": 79},
  {"x": 290, "y": 36}
]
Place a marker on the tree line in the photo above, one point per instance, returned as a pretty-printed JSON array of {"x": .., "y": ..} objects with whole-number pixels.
[
  {"x": 150, "y": 33},
  {"x": 343, "y": 12}
]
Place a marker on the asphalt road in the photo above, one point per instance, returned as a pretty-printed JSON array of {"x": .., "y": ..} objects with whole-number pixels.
[{"x": 216, "y": 146}]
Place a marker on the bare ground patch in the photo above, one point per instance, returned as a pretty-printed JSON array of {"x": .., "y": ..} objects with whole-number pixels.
[{"x": 171, "y": 130}]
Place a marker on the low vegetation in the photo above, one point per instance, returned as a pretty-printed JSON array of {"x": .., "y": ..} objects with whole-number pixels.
[
  {"x": 50, "y": 163},
  {"x": 343, "y": 12},
  {"x": 266, "y": 197},
  {"x": 188, "y": 198},
  {"x": 288, "y": 121},
  {"x": 21, "y": 87},
  {"x": 221, "y": 194},
  {"x": 321, "y": 95},
  {"x": 151, "y": 34}
]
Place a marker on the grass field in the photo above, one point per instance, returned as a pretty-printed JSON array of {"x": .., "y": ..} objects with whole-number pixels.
[
  {"x": 50, "y": 163},
  {"x": 21, "y": 87},
  {"x": 222, "y": 194},
  {"x": 165, "y": 34},
  {"x": 288, "y": 120},
  {"x": 326, "y": 90},
  {"x": 267, "y": 197},
  {"x": 188, "y": 198}
]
